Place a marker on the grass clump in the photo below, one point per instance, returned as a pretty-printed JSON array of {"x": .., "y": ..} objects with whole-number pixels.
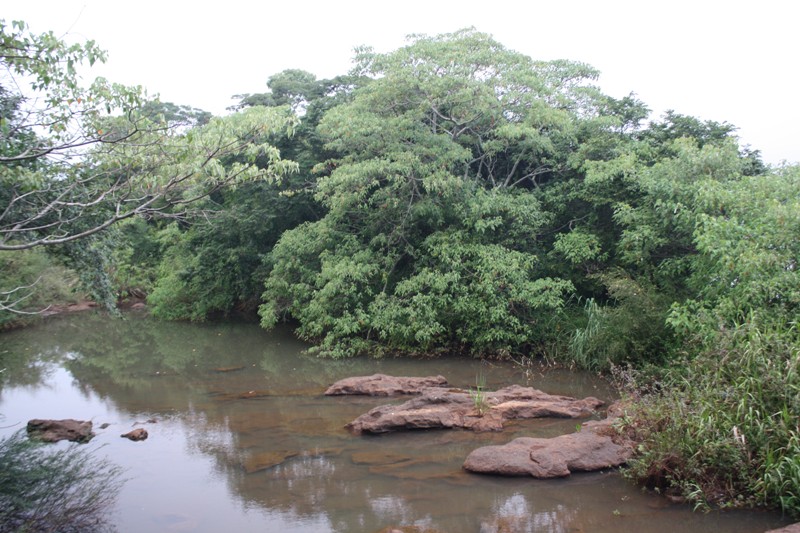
[
  {"x": 49, "y": 488},
  {"x": 478, "y": 395},
  {"x": 724, "y": 429}
]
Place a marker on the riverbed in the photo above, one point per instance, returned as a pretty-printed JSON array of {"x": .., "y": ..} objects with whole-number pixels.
[{"x": 241, "y": 437}]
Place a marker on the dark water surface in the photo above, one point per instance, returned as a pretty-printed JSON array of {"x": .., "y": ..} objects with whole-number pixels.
[{"x": 246, "y": 441}]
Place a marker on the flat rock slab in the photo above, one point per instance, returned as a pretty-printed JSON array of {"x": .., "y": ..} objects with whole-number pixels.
[
  {"x": 56, "y": 430},
  {"x": 438, "y": 408},
  {"x": 589, "y": 449},
  {"x": 383, "y": 385}
]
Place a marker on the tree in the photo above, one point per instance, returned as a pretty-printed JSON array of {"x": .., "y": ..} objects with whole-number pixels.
[
  {"x": 430, "y": 192},
  {"x": 218, "y": 267},
  {"x": 75, "y": 159}
]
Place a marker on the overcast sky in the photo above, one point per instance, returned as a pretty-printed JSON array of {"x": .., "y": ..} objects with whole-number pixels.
[{"x": 733, "y": 61}]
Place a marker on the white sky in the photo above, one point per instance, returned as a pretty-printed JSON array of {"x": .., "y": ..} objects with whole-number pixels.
[{"x": 734, "y": 60}]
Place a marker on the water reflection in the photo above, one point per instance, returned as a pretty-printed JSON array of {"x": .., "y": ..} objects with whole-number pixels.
[{"x": 245, "y": 440}]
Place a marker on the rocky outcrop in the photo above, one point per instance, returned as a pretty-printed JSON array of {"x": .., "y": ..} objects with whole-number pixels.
[
  {"x": 477, "y": 411},
  {"x": 591, "y": 448},
  {"x": 383, "y": 385},
  {"x": 56, "y": 430}
]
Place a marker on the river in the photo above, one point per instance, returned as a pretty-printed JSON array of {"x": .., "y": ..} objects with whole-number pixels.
[{"x": 241, "y": 437}]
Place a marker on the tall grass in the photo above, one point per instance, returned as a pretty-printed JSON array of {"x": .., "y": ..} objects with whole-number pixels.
[
  {"x": 630, "y": 329},
  {"x": 49, "y": 488},
  {"x": 725, "y": 428}
]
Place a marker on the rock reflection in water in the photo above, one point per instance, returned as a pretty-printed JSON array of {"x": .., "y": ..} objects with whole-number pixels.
[{"x": 246, "y": 441}]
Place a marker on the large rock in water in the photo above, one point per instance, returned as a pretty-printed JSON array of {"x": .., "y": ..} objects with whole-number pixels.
[
  {"x": 56, "y": 430},
  {"x": 591, "y": 448},
  {"x": 456, "y": 408},
  {"x": 383, "y": 385}
]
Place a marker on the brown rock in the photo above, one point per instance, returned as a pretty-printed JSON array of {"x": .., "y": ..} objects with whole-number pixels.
[
  {"x": 383, "y": 385},
  {"x": 136, "y": 434},
  {"x": 228, "y": 368},
  {"x": 266, "y": 460},
  {"x": 591, "y": 448},
  {"x": 56, "y": 430},
  {"x": 455, "y": 408},
  {"x": 794, "y": 528}
]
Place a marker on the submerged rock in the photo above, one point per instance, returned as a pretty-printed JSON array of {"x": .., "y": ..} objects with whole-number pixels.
[
  {"x": 383, "y": 385},
  {"x": 56, "y": 430},
  {"x": 136, "y": 434},
  {"x": 591, "y": 448},
  {"x": 484, "y": 411},
  {"x": 266, "y": 460}
]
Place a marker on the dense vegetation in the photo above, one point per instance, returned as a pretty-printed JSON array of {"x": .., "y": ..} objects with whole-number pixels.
[{"x": 450, "y": 196}]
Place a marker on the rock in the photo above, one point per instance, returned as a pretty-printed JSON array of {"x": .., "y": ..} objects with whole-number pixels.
[
  {"x": 456, "y": 408},
  {"x": 591, "y": 448},
  {"x": 383, "y": 385},
  {"x": 56, "y": 430},
  {"x": 136, "y": 434},
  {"x": 228, "y": 368},
  {"x": 266, "y": 460},
  {"x": 794, "y": 528}
]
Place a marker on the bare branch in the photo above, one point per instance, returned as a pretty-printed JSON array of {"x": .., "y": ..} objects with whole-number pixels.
[{"x": 6, "y": 297}]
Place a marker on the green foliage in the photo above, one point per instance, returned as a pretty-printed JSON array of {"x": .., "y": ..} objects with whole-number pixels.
[
  {"x": 481, "y": 298},
  {"x": 324, "y": 279},
  {"x": 217, "y": 267},
  {"x": 630, "y": 329},
  {"x": 64, "y": 489},
  {"x": 32, "y": 281},
  {"x": 430, "y": 240},
  {"x": 747, "y": 237},
  {"x": 134, "y": 262},
  {"x": 724, "y": 429}
]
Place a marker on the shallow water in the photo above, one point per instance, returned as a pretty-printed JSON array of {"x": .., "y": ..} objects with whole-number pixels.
[{"x": 245, "y": 440}]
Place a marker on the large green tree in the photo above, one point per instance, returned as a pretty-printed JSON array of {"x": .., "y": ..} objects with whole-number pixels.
[{"x": 430, "y": 240}]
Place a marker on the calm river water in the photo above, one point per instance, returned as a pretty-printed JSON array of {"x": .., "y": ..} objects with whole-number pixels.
[{"x": 246, "y": 441}]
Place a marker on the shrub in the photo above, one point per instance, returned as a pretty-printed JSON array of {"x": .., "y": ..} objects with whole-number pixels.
[
  {"x": 725, "y": 430},
  {"x": 47, "y": 488}
]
